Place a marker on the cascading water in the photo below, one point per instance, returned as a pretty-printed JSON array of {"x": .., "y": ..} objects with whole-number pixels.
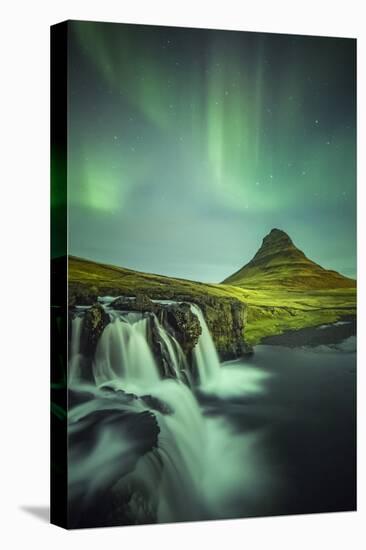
[
  {"x": 177, "y": 357},
  {"x": 123, "y": 355},
  {"x": 229, "y": 381},
  {"x": 75, "y": 351},
  {"x": 205, "y": 354},
  {"x": 123, "y": 352},
  {"x": 123, "y": 360},
  {"x": 174, "y": 477}
]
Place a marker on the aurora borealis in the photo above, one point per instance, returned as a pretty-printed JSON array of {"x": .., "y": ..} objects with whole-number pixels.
[{"x": 187, "y": 146}]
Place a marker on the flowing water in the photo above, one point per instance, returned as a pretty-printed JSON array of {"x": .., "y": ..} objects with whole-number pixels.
[{"x": 272, "y": 434}]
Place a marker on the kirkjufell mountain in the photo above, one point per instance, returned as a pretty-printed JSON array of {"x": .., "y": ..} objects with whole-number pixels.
[{"x": 280, "y": 264}]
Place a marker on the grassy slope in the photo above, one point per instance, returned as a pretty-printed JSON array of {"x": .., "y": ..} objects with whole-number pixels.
[
  {"x": 279, "y": 264},
  {"x": 270, "y": 311}
]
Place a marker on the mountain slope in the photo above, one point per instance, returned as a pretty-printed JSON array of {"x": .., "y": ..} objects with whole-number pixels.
[{"x": 280, "y": 264}]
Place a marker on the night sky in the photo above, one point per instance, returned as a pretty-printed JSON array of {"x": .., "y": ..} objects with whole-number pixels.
[{"x": 187, "y": 146}]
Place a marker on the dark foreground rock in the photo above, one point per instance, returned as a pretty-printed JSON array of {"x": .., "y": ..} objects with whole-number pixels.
[{"x": 104, "y": 502}]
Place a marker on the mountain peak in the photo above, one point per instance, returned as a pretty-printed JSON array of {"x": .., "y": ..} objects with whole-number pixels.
[
  {"x": 276, "y": 243},
  {"x": 279, "y": 263},
  {"x": 277, "y": 236}
]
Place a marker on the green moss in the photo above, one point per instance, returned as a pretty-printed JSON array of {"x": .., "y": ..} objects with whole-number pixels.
[
  {"x": 269, "y": 311},
  {"x": 266, "y": 321}
]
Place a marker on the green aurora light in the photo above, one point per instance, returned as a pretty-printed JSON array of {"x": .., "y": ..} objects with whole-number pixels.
[{"x": 186, "y": 146}]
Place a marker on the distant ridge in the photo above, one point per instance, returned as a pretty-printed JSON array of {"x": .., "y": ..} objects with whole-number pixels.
[{"x": 280, "y": 264}]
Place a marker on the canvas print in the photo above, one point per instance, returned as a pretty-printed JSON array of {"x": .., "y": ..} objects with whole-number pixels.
[{"x": 203, "y": 274}]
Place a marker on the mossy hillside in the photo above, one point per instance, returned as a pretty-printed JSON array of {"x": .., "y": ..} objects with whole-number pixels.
[
  {"x": 264, "y": 312},
  {"x": 280, "y": 264},
  {"x": 264, "y": 321},
  {"x": 224, "y": 313}
]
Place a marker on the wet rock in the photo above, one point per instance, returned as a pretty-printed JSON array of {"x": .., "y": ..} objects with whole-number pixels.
[
  {"x": 140, "y": 303},
  {"x": 76, "y": 397},
  {"x": 156, "y": 404},
  {"x": 122, "y": 394},
  {"x": 82, "y": 295},
  {"x": 226, "y": 320},
  {"x": 184, "y": 325},
  {"x": 160, "y": 350},
  {"x": 95, "y": 321},
  {"x": 85, "y": 435}
]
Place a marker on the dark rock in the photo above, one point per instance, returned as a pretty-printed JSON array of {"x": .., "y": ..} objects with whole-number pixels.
[
  {"x": 99, "y": 509},
  {"x": 108, "y": 389},
  {"x": 78, "y": 397},
  {"x": 122, "y": 394},
  {"x": 95, "y": 321},
  {"x": 184, "y": 325},
  {"x": 81, "y": 295},
  {"x": 140, "y": 303},
  {"x": 226, "y": 320},
  {"x": 160, "y": 350},
  {"x": 156, "y": 404}
]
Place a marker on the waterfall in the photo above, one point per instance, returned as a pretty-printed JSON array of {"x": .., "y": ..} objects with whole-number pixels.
[
  {"x": 205, "y": 354},
  {"x": 178, "y": 360},
  {"x": 123, "y": 355},
  {"x": 170, "y": 475},
  {"x": 75, "y": 352},
  {"x": 228, "y": 380},
  {"x": 156, "y": 446}
]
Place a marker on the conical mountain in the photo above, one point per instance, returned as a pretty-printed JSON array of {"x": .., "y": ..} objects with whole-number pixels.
[{"x": 280, "y": 264}]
